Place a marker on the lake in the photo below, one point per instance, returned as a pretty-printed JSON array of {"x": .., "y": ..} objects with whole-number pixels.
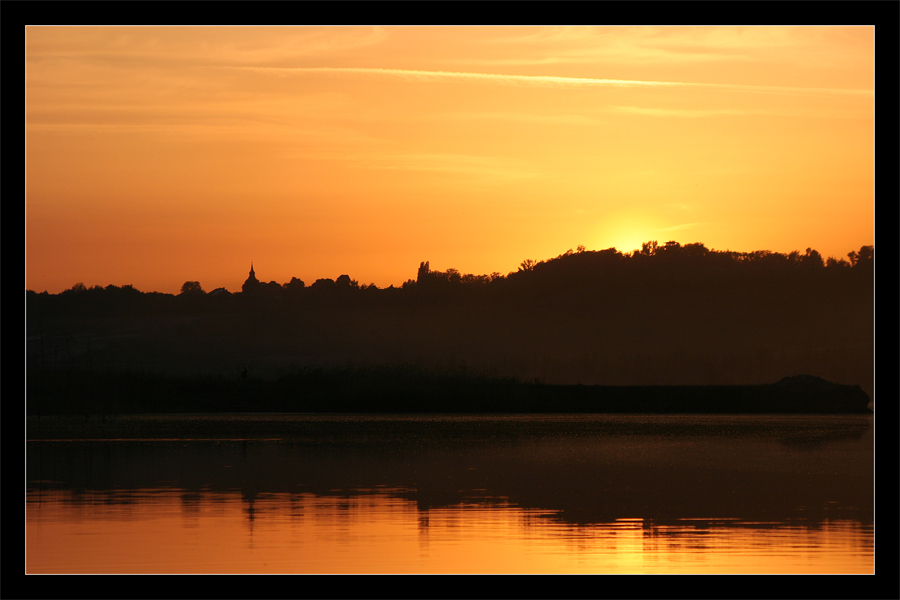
[{"x": 606, "y": 494}]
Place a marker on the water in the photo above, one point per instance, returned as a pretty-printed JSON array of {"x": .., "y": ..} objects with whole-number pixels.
[{"x": 451, "y": 494}]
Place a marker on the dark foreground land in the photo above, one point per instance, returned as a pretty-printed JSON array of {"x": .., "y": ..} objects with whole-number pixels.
[
  {"x": 412, "y": 390},
  {"x": 668, "y": 329}
]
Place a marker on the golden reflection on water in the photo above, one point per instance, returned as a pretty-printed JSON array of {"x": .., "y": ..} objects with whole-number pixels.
[{"x": 375, "y": 531}]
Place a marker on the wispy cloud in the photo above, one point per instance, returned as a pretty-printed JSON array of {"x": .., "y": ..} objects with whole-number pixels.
[
  {"x": 417, "y": 75},
  {"x": 679, "y": 227},
  {"x": 694, "y": 113},
  {"x": 196, "y": 45},
  {"x": 621, "y": 45},
  {"x": 679, "y": 112},
  {"x": 540, "y": 80},
  {"x": 543, "y": 119},
  {"x": 640, "y": 46},
  {"x": 452, "y": 163},
  {"x": 461, "y": 164}
]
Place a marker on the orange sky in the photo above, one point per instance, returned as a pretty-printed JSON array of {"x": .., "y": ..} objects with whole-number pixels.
[{"x": 157, "y": 155}]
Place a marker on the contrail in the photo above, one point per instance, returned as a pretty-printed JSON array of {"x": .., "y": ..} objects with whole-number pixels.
[{"x": 544, "y": 80}]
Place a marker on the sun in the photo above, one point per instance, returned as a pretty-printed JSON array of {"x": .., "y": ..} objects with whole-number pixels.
[
  {"x": 627, "y": 241},
  {"x": 625, "y": 234}
]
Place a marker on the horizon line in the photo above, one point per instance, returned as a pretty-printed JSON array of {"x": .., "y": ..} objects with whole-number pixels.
[{"x": 570, "y": 251}]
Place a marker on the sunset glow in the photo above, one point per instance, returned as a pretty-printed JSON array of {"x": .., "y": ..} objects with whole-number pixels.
[{"x": 158, "y": 155}]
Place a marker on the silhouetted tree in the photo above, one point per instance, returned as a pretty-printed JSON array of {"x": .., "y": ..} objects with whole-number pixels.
[
  {"x": 649, "y": 248},
  {"x": 192, "y": 287},
  {"x": 811, "y": 259},
  {"x": 423, "y": 271},
  {"x": 294, "y": 288},
  {"x": 325, "y": 284},
  {"x": 863, "y": 258},
  {"x": 294, "y": 284},
  {"x": 272, "y": 289},
  {"x": 695, "y": 250},
  {"x": 469, "y": 279},
  {"x": 344, "y": 282}
]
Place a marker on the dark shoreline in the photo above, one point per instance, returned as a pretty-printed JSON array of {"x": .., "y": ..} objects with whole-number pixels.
[{"x": 403, "y": 390}]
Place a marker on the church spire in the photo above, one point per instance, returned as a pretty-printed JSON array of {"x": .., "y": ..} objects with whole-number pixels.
[{"x": 252, "y": 282}]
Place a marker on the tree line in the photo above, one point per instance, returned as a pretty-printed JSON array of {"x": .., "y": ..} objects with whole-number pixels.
[{"x": 655, "y": 268}]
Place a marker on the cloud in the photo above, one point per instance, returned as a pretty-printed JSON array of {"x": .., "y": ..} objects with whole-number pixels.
[
  {"x": 640, "y": 46},
  {"x": 680, "y": 112},
  {"x": 489, "y": 167},
  {"x": 691, "y": 113},
  {"x": 543, "y": 119},
  {"x": 417, "y": 75},
  {"x": 679, "y": 227},
  {"x": 620, "y": 45},
  {"x": 451, "y": 163},
  {"x": 167, "y": 46},
  {"x": 546, "y": 81}
]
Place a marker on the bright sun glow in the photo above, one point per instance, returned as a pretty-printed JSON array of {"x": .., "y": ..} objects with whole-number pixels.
[
  {"x": 624, "y": 234},
  {"x": 628, "y": 241}
]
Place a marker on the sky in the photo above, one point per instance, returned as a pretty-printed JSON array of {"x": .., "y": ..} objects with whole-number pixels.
[{"x": 159, "y": 155}]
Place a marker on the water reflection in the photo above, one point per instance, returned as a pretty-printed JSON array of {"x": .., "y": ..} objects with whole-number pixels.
[{"x": 452, "y": 494}]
